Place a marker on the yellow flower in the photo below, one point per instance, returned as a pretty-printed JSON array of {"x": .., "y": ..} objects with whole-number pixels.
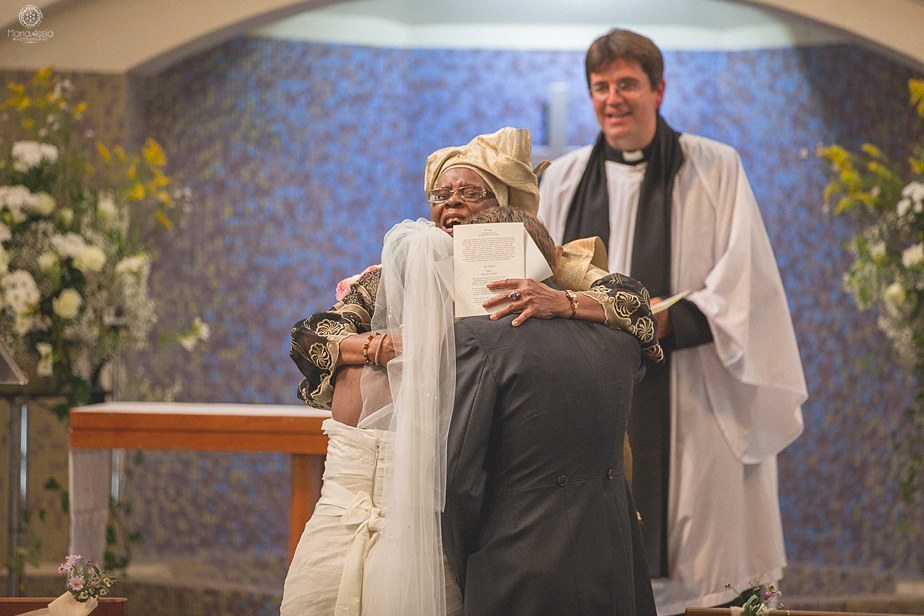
[
  {"x": 159, "y": 178},
  {"x": 164, "y": 197},
  {"x": 132, "y": 172},
  {"x": 80, "y": 108},
  {"x": 104, "y": 152},
  {"x": 836, "y": 154},
  {"x": 153, "y": 153},
  {"x": 27, "y": 123},
  {"x": 872, "y": 150},
  {"x": 163, "y": 220},
  {"x": 137, "y": 192},
  {"x": 24, "y": 103},
  {"x": 916, "y": 88},
  {"x": 880, "y": 170},
  {"x": 916, "y": 164},
  {"x": 119, "y": 152},
  {"x": 43, "y": 75},
  {"x": 851, "y": 178},
  {"x": 16, "y": 88}
]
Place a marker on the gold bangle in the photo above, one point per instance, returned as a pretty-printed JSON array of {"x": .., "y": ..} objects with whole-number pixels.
[
  {"x": 572, "y": 297},
  {"x": 378, "y": 350},
  {"x": 366, "y": 360}
]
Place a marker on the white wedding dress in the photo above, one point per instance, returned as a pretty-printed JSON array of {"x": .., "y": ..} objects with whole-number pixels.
[{"x": 373, "y": 545}]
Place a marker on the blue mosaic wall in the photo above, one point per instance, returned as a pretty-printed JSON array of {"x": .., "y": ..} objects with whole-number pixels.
[{"x": 302, "y": 155}]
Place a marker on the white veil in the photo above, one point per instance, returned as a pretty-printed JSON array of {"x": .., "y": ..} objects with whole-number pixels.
[{"x": 413, "y": 304}]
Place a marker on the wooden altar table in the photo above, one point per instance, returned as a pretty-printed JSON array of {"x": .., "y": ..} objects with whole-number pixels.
[{"x": 292, "y": 429}]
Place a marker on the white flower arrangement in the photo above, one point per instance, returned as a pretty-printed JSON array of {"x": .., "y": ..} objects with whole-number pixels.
[{"x": 70, "y": 221}]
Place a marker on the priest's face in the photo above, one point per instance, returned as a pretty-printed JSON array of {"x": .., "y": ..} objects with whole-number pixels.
[
  {"x": 456, "y": 195},
  {"x": 625, "y": 104}
]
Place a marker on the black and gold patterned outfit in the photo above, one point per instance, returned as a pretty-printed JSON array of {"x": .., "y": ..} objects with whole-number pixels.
[{"x": 316, "y": 339}]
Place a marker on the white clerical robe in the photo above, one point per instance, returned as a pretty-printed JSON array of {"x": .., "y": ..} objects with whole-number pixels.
[{"x": 735, "y": 403}]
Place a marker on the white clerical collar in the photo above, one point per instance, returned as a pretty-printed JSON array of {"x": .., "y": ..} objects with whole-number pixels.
[{"x": 633, "y": 156}]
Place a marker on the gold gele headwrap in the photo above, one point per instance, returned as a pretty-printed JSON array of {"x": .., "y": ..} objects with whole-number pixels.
[
  {"x": 503, "y": 159},
  {"x": 582, "y": 263}
]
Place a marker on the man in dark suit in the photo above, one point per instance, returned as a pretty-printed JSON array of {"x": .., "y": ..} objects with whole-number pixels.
[{"x": 539, "y": 518}]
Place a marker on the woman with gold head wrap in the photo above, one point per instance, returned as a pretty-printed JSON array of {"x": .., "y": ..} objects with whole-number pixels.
[{"x": 491, "y": 170}]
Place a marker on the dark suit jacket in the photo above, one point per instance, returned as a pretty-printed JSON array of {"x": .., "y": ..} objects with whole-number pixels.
[{"x": 538, "y": 516}]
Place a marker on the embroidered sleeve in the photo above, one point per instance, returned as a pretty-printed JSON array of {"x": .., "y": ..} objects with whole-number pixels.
[
  {"x": 316, "y": 339},
  {"x": 625, "y": 303}
]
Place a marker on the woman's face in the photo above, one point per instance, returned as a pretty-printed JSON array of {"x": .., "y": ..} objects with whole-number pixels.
[{"x": 455, "y": 209}]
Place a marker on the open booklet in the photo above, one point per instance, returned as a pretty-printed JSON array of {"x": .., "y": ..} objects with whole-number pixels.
[
  {"x": 487, "y": 253},
  {"x": 668, "y": 302}
]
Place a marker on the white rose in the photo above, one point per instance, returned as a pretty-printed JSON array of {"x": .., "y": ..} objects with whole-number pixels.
[
  {"x": 913, "y": 255},
  {"x": 30, "y": 154},
  {"x": 49, "y": 152},
  {"x": 20, "y": 292},
  {"x": 16, "y": 199},
  {"x": 5, "y": 234},
  {"x": 46, "y": 364},
  {"x": 47, "y": 261},
  {"x": 44, "y": 204},
  {"x": 66, "y": 216},
  {"x": 895, "y": 294},
  {"x": 45, "y": 367},
  {"x": 43, "y": 348},
  {"x": 904, "y": 205},
  {"x": 201, "y": 329},
  {"x": 914, "y": 191},
  {"x": 106, "y": 208},
  {"x": 22, "y": 323},
  {"x": 878, "y": 252},
  {"x": 4, "y": 261},
  {"x": 67, "y": 304},
  {"x": 198, "y": 331},
  {"x": 69, "y": 244},
  {"x": 131, "y": 265},
  {"x": 90, "y": 259}
]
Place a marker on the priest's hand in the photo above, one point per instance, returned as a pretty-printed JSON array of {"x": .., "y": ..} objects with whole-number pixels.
[
  {"x": 662, "y": 320},
  {"x": 529, "y": 298}
]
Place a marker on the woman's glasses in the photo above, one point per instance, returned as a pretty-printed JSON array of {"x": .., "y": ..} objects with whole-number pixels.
[{"x": 466, "y": 193}]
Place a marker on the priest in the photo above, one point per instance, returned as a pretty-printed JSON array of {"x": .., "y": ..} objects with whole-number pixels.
[{"x": 677, "y": 213}]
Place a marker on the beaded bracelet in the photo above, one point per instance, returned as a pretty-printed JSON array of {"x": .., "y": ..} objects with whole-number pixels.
[
  {"x": 572, "y": 297},
  {"x": 366, "y": 360}
]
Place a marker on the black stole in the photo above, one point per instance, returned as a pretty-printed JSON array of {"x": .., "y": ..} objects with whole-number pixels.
[{"x": 649, "y": 422}]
